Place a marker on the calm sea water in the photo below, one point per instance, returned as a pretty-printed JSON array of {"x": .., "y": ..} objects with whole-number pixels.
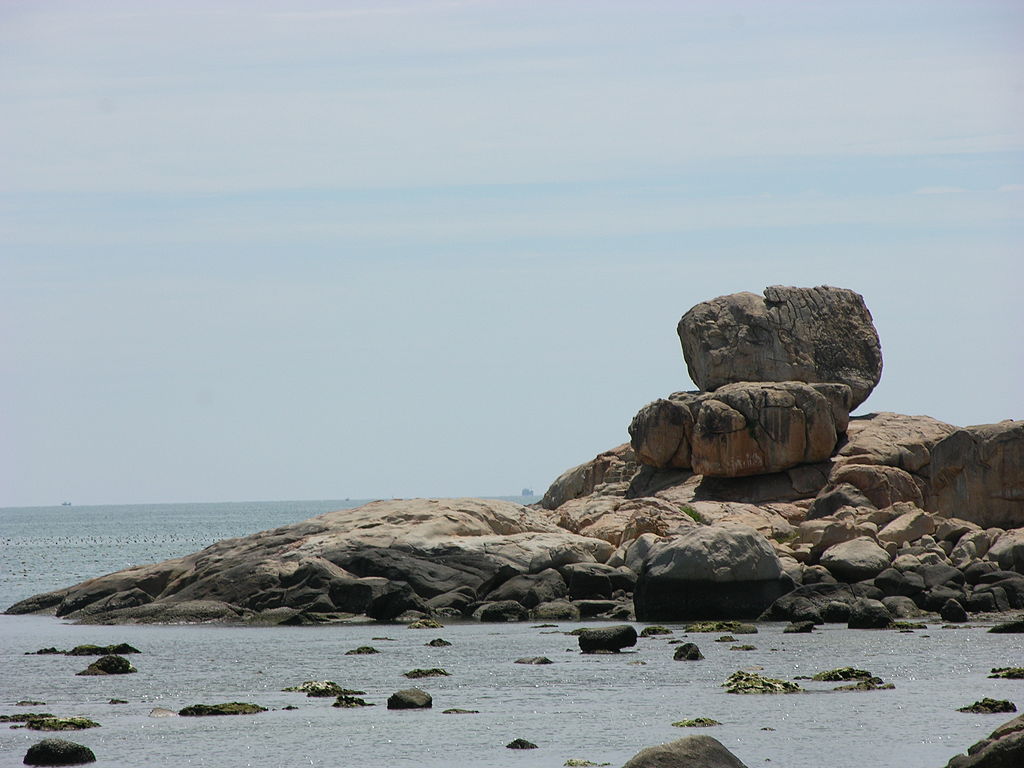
[{"x": 600, "y": 708}]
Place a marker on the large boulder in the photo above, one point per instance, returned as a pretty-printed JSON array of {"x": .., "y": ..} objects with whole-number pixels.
[
  {"x": 702, "y": 751},
  {"x": 742, "y": 429},
  {"x": 709, "y": 572},
  {"x": 815, "y": 335},
  {"x": 978, "y": 475},
  {"x": 58, "y": 752},
  {"x": 1004, "y": 748},
  {"x": 892, "y": 439},
  {"x": 607, "y": 639},
  {"x": 856, "y": 560}
]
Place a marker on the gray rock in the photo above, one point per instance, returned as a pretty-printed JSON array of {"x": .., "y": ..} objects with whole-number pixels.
[
  {"x": 687, "y": 652},
  {"x": 814, "y": 335},
  {"x": 869, "y": 614},
  {"x": 953, "y": 612},
  {"x": 506, "y": 610},
  {"x": 856, "y": 560},
  {"x": 58, "y": 752},
  {"x": 410, "y": 698},
  {"x": 1004, "y": 748},
  {"x": 607, "y": 639}
]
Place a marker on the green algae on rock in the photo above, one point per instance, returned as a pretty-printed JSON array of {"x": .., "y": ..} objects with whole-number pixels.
[
  {"x": 109, "y": 665},
  {"x": 655, "y": 630},
  {"x": 1008, "y": 673},
  {"x": 697, "y": 722},
  {"x": 415, "y": 674},
  {"x": 60, "y": 724},
  {"x": 426, "y": 623},
  {"x": 989, "y": 706},
  {"x": 750, "y": 682},
  {"x": 871, "y": 684},
  {"x": 317, "y": 688},
  {"x": 842, "y": 674},
  {"x": 362, "y": 650},
  {"x": 349, "y": 701},
  {"x": 733, "y": 627}
]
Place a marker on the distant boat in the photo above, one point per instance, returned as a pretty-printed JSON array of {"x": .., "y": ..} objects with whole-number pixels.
[{"x": 65, "y": 503}]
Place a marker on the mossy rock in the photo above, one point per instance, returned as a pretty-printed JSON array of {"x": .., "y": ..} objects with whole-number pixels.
[
  {"x": 989, "y": 706},
  {"x": 416, "y": 674},
  {"x": 745, "y": 647},
  {"x": 438, "y": 642},
  {"x": 25, "y": 717},
  {"x": 109, "y": 665},
  {"x": 697, "y": 722},
  {"x": 732, "y": 627},
  {"x": 348, "y": 701},
  {"x": 457, "y": 711},
  {"x": 520, "y": 744},
  {"x": 58, "y": 752},
  {"x": 750, "y": 682},
  {"x": 725, "y": 639},
  {"x": 317, "y": 688},
  {"x": 1008, "y": 673},
  {"x": 228, "y": 708},
  {"x": 575, "y": 762},
  {"x": 60, "y": 724},
  {"x": 842, "y": 674},
  {"x": 102, "y": 650},
  {"x": 908, "y": 625},
  {"x": 871, "y": 684},
  {"x": 655, "y": 630},
  {"x": 426, "y": 624},
  {"x": 1008, "y": 627},
  {"x": 362, "y": 650}
]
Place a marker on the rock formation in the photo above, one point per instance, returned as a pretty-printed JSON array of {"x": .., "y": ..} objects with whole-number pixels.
[{"x": 759, "y": 496}]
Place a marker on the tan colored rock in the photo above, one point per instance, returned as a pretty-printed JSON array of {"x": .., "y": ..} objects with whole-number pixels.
[
  {"x": 907, "y": 527},
  {"x": 760, "y": 428},
  {"x": 856, "y": 560},
  {"x": 1008, "y": 550},
  {"x": 892, "y": 439},
  {"x": 660, "y": 433},
  {"x": 814, "y": 335},
  {"x": 978, "y": 474},
  {"x": 607, "y": 473},
  {"x": 616, "y": 519}
]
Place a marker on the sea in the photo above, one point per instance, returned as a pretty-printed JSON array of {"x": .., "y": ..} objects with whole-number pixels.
[{"x": 598, "y": 708}]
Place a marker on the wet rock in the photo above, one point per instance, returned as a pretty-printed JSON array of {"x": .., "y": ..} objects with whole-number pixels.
[
  {"x": 350, "y": 701},
  {"x": 1004, "y": 748},
  {"x": 556, "y": 610},
  {"x": 1008, "y": 673},
  {"x": 109, "y": 665},
  {"x": 410, "y": 698},
  {"x": 842, "y": 674},
  {"x": 751, "y": 682},
  {"x": 687, "y": 652},
  {"x": 534, "y": 660},
  {"x": 702, "y": 751},
  {"x": 58, "y": 752},
  {"x": 1007, "y": 627},
  {"x": 734, "y": 627},
  {"x": 228, "y": 708},
  {"x": 60, "y": 723},
  {"x": 799, "y": 627},
  {"x": 520, "y": 744},
  {"x": 697, "y": 722},
  {"x": 162, "y": 712},
  {"x": 505, "y": 610},
  {"x": 871, "y": 684},
  {"x": 416, "y": 674},
  {"x": 989, "y": 706},
  {"x": 317, "y": 688},
  {"x": 953, "y": 612},
  {"x": 362, "y": 650},
  {"x": 102, "y": 650},
  {"x": 607, "y": 639},
  {"x": 426, "y": 623},
  {"x": 653, "y": 630},
  {"x": 457, "y": 711}
]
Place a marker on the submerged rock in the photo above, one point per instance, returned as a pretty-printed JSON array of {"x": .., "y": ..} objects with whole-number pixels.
[
  {"x": 734, "y": 627},
  {"x": 842, "y": 674},
  {"x": 870, "y": 684},
  {"x": 228, "y": 708},
  {"x": 697, "y": 722},
  {"x": 58, "y": 752},
  {"x": 350, "y": 701},
  {"x": 415, "y": 674},
  {"x": 989, "y": 706},
  {"x": 317, "y": 688},
  {"x": 751, "y": 682}
]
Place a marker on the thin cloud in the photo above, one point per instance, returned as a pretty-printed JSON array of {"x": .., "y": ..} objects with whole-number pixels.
[{"x": 939, "y": 190}]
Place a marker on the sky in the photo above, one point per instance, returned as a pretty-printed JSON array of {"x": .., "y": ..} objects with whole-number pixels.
[{"x": 322, "y": 250}]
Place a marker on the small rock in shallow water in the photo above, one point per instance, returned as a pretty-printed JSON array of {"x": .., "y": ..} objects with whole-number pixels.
[
  {"x": 687, "y": 652},
  {"x": 58, "y": 752},
  {"x": 871, "y": 684},
  {"x": 161, "y": 712},
  {"x": 438, "y": 642},
  {"x": 1008, "y": 673},
  {"x": 362, "y": 650},
  {"x": 749, "y": 682},
  {"x": 725, "y": 639},
  {"x": 410, "y": 698},
  {"x": 534, "y": 660},
  {"x": 735, "y": 627},
  {"x": 1015, "y": 626},
  {"x": 117, "y": 701},
  {"x": 457, "y": 711},
  {"x": 29, "y": 703},
  {"x": 743, "y": 648},
  {"x": 60, "y": 724},
  {"x": 697, "y": 722},
  {"x": 109, "y": 665},
  {"x": 842, "y": 674},
  {"x": 415, "y": 674},
  {"x": 799, "y": 627},
  {"x": 347, "y": 701},
  {"x": 655, "y": 630},
  {"x": 228, "y": 708},
  {"x": 989, "y": 706},
  {"x": 520, "y": 744},
  {"x": 314, "y": 688},
  {"x": 426, "y": 624}
]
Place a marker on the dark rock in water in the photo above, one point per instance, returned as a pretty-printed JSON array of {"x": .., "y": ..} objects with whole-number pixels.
[
  {"x": 842, "y": 674},
  {"x": 46, "y": 652},
  {"x": 697, "y": 722},
  {"x": 1004, "y": 748},
  {"x": 1008, "y": 673},
  {"x": 60, "y": 724},
  {"x": 702, "y": 751},
  {"x": 655, "y": 630},
  {"x": 457, "y": 711},
  {"x": 24, "y": 717},
  {"x": 612, "y": 639},
  {"x": 410, "y": 698},
  {"x": 989, "y": 706},
  {"x": 397, "y": 598},
  {"x": 1015, "y": 626},
  {"x": 687, "y": 652},
  {"x": 228, "y": 708},
  {"x": 425, "y": 623},
  {"x": 952, "y": 611},
  {"x": 416, "y": 674},
  {"x": 362, "y": 650},
  {"x": 317, "y": 688},
  {"x": 438, "y": 642},
  {"x": 534, "y": 660},
  {"x": 799, "y": 627},
  {"x": 871, "y": 684},
  {"x": 520, "y": 744},
  {"x": 350, "y": 701},
  {"x": 709, "y": 572},
  {"x": 869, "y": 614},
  {"x": 735, "y": 627},
  {"x": 109, "y": 665},
  {"x": 58, "y": 752},
  {"x": 102, "y": 650},
  {"x": 506, "y": 610},
  {"x": 118, "y": 701}
]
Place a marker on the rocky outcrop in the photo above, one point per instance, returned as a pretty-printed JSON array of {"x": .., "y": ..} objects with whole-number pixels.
[
  {"x": 692, "y": 750},
  {"x": 1004, "y": 748},
  {"x": 814, "y": 335},
  {"x": 606, "y": 473},
  {"x": 978, "y": 474},
  {"x": 710, "y": 572}
]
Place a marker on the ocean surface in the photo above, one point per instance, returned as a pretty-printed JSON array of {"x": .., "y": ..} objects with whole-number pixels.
[{"x": 600, "y": 708}]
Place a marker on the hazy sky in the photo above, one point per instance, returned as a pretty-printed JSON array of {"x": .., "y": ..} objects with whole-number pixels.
[{"x": 257, "y": 250}]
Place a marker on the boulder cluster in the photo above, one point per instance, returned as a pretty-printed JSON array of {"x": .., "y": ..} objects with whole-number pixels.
[{"x": 757, "y": 496}]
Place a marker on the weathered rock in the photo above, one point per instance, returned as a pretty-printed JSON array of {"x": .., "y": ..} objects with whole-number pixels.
[
  {"x": 881, "y": 484},
  {"x": 978, "y": 474},
  {"x": 709, "y": 572},
  {"x": 798, "y": 627},
  {"x": 660, "y": 433},
  {"x": 58, "y": 752},
  {"x": 51, "y": 723},
  {"x": 833, "y": 601},
  {"x": 534, "y": 660},
  {"x": 855, "y": 560},
  {"x": 952, "y": 611},
  {"x": 607, "y": 639},
  {"x": 556, "y": 610},
  {"x": 751, "y": 682},
  {"x": 1004, "y": 748},
  {"x": 506, "y": 610},
  {"x": 118, "y": 649},
  {"x": 1009, "y": 627},
  {"x": 821, "y": 334},
  {"x": 989, "y": 706},
  {"x": 317, "y": 688},
  {"x": 410, "y": 698},
  {"x": 702, "y": 751},
  {"x": 1008, "y": 551},
  {"x": 531, "y": 589},
  {"x": 687, "y": 652},
  {"x": 842, "y": 674},
  {"x": 892, "y": 439},
  {"x": 609, "y": 471},
  {"x": 416, "y": 674},
  {"x": 839, "y": 495},
  {"x": 697, "y": 722},
  {"x": 907, "y": 527}
]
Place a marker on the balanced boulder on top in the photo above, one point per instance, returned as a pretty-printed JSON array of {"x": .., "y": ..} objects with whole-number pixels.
[{"x": 815, "y": 335}]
